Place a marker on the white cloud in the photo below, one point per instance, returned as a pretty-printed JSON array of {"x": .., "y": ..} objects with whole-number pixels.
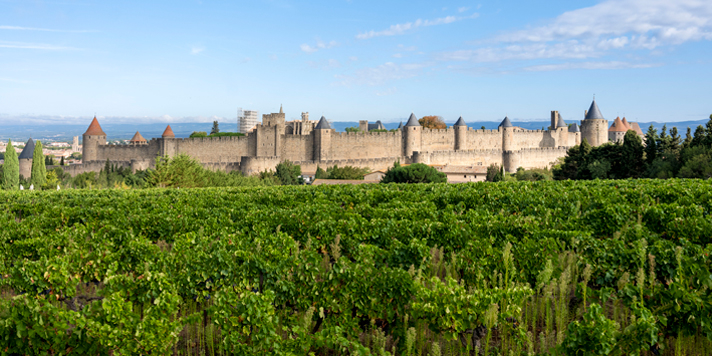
[
  {"x": 386, "y": 92},
  {"x": 587, "y": 65},
  {"x": 400, "y": 29},
  {"x": 598, "y": 31},
  {"x": 671, "y": 22},
  {"x": 23, "y": 45},
  {"x": 19, "y": 28},
  {"x": 196, "y": 50},
  {"x": 462, "y": 9},
  {"x": 397, "y": 55},
  {"x": 381, "y": 74},
  {"x": 319, "y": 45}
]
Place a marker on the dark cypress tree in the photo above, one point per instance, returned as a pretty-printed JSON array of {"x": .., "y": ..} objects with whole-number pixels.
[
  {"x": 651, "y": 147},
  {"x": 39, "y": 171},
  {"x": 61, "y": 161},
  {"x": 215, "y": 128}
]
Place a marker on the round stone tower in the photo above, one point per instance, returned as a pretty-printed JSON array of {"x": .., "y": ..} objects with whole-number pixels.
[
  {"x": 91, "y": 140},
  {"x": 322, "y": 140},
  {"x": 460, "y": 134},
  {"x": 412, "y": 136},
  {"x": 509, "y": 149},
  {"x": 594, "y": 128},
  {"x": 25, "y": 159}
]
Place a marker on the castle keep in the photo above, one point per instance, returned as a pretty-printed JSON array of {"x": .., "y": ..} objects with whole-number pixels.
[{"x": 274, "y": 140}]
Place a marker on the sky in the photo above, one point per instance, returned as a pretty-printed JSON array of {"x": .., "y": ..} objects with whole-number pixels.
[{"x": 64, "y": 61}]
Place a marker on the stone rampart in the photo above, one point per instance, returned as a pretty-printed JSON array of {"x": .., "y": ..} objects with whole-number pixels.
[{"x": 365, "y": 145}]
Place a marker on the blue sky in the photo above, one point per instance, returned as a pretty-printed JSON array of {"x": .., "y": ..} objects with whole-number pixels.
[{"x": 172, "y": 61}]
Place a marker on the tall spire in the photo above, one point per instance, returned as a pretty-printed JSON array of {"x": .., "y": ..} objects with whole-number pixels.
[{"x": 280, "y": 109}]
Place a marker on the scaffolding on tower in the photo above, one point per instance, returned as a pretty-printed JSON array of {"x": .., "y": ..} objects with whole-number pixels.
[{"x": 246, "y": 120}]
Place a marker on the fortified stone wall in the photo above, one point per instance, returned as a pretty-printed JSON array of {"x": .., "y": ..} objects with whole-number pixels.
[
  {"x": 438, "y": 140},
  {"x": 464, "y": 158},
  {"x": 532, "y": 139},
  {"x": 210, "y": 149},
  {"x": 484, "y": 139},
  {"x": 297, "y": 147},
  {"x": 539, "y": 157},
  {"x": 128, "y": 152},
  {"x": 364, "y": 145}
]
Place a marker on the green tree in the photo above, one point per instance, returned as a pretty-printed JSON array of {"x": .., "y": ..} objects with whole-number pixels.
[
  {"x": 651, "y": 147},
  {"x": 61, "y": 161},
  {"x": 353, "y": 129},
  {"x": 414, "y": 173},
  {"x": 289, "y": 173},
  {"x": 215, "y": 128},
  {"x": 674, "y": 144},
  {"x": 632, "y": 156},
  {"x": 688, "y": 139},
  {"x": 39, "y": 171},
  {"x": 198, "y": 134},
  {"x": 11, "y": 168},
  {"x": 181, "y": 171},
  {"x": 346, "y": 172},
  {"x": 320, "y": 173}
]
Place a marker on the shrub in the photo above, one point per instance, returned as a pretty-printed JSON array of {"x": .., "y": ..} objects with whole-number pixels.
[
  {"x": 289, "y": 173},
  {"x": 414, "y": 173}
]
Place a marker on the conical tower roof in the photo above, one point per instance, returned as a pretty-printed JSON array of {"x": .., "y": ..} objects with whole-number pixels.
[
  {"x": 560, "y": 123},
  {"x": 28, "y": 151},
  {"x": 460, "y": 122},
  {"x": 593, "y": 112},
  {"x": 506, "y": 122},
  {"x": 635, "y": 127},
  {"x": 137, "y": 138},
  {"x": 412, "y": 121},
  {"x": 322, "y": 124},
  {"x": 574, "y": 128},
  {"x": 618, "y": 126},
  {"x": 95, "y": 129},
  {"x": 400, "y": 126},
  {"x": 168, "y": 133},
  {"x": 626, "y": 123}
]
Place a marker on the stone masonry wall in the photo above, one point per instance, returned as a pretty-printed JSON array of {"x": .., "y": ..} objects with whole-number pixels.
[
  {"x": 438, "y": 140},
  {"x": 484, "y": 139},
  {"x": 539, "y": 157},
  {"x": 297, "y": 147},
  {"x": 361, "y": 145},
  {"x": 460, "y": 158},
  {"x": 533, "y": 139},
  {"x": 213, "y": 149}
]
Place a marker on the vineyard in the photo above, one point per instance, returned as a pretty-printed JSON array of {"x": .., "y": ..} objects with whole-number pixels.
[{"x": 515, "y": 268}]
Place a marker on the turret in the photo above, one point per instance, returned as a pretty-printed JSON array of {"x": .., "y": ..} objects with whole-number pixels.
[
  {"x": 460, "y": 134},
  {"x": 594, "y": 128},
  {"x": 25, "y": 159},
  {"x": 322, "y": 140},
  {"x": 509, "y": 149},
  {"x": 412, "y": 135},
  {"x": 137, "y": 139},
  {"x": 168, "y": 133},
  {"x": 91, "y": 140}
]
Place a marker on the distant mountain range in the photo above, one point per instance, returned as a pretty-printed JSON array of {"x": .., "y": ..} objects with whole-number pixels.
[{"x": 126, "y": 131}]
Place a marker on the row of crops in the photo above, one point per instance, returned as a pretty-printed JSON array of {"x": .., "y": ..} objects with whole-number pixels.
[{"x": 520, "y": 268}]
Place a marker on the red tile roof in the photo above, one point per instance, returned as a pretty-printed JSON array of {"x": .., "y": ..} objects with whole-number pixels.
[
  {"x": 618, "y": 126},
  {"x": 138, "y": 138},
  {"x": 95, "y": 129},
  {"x": 168, "y": 133}
]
